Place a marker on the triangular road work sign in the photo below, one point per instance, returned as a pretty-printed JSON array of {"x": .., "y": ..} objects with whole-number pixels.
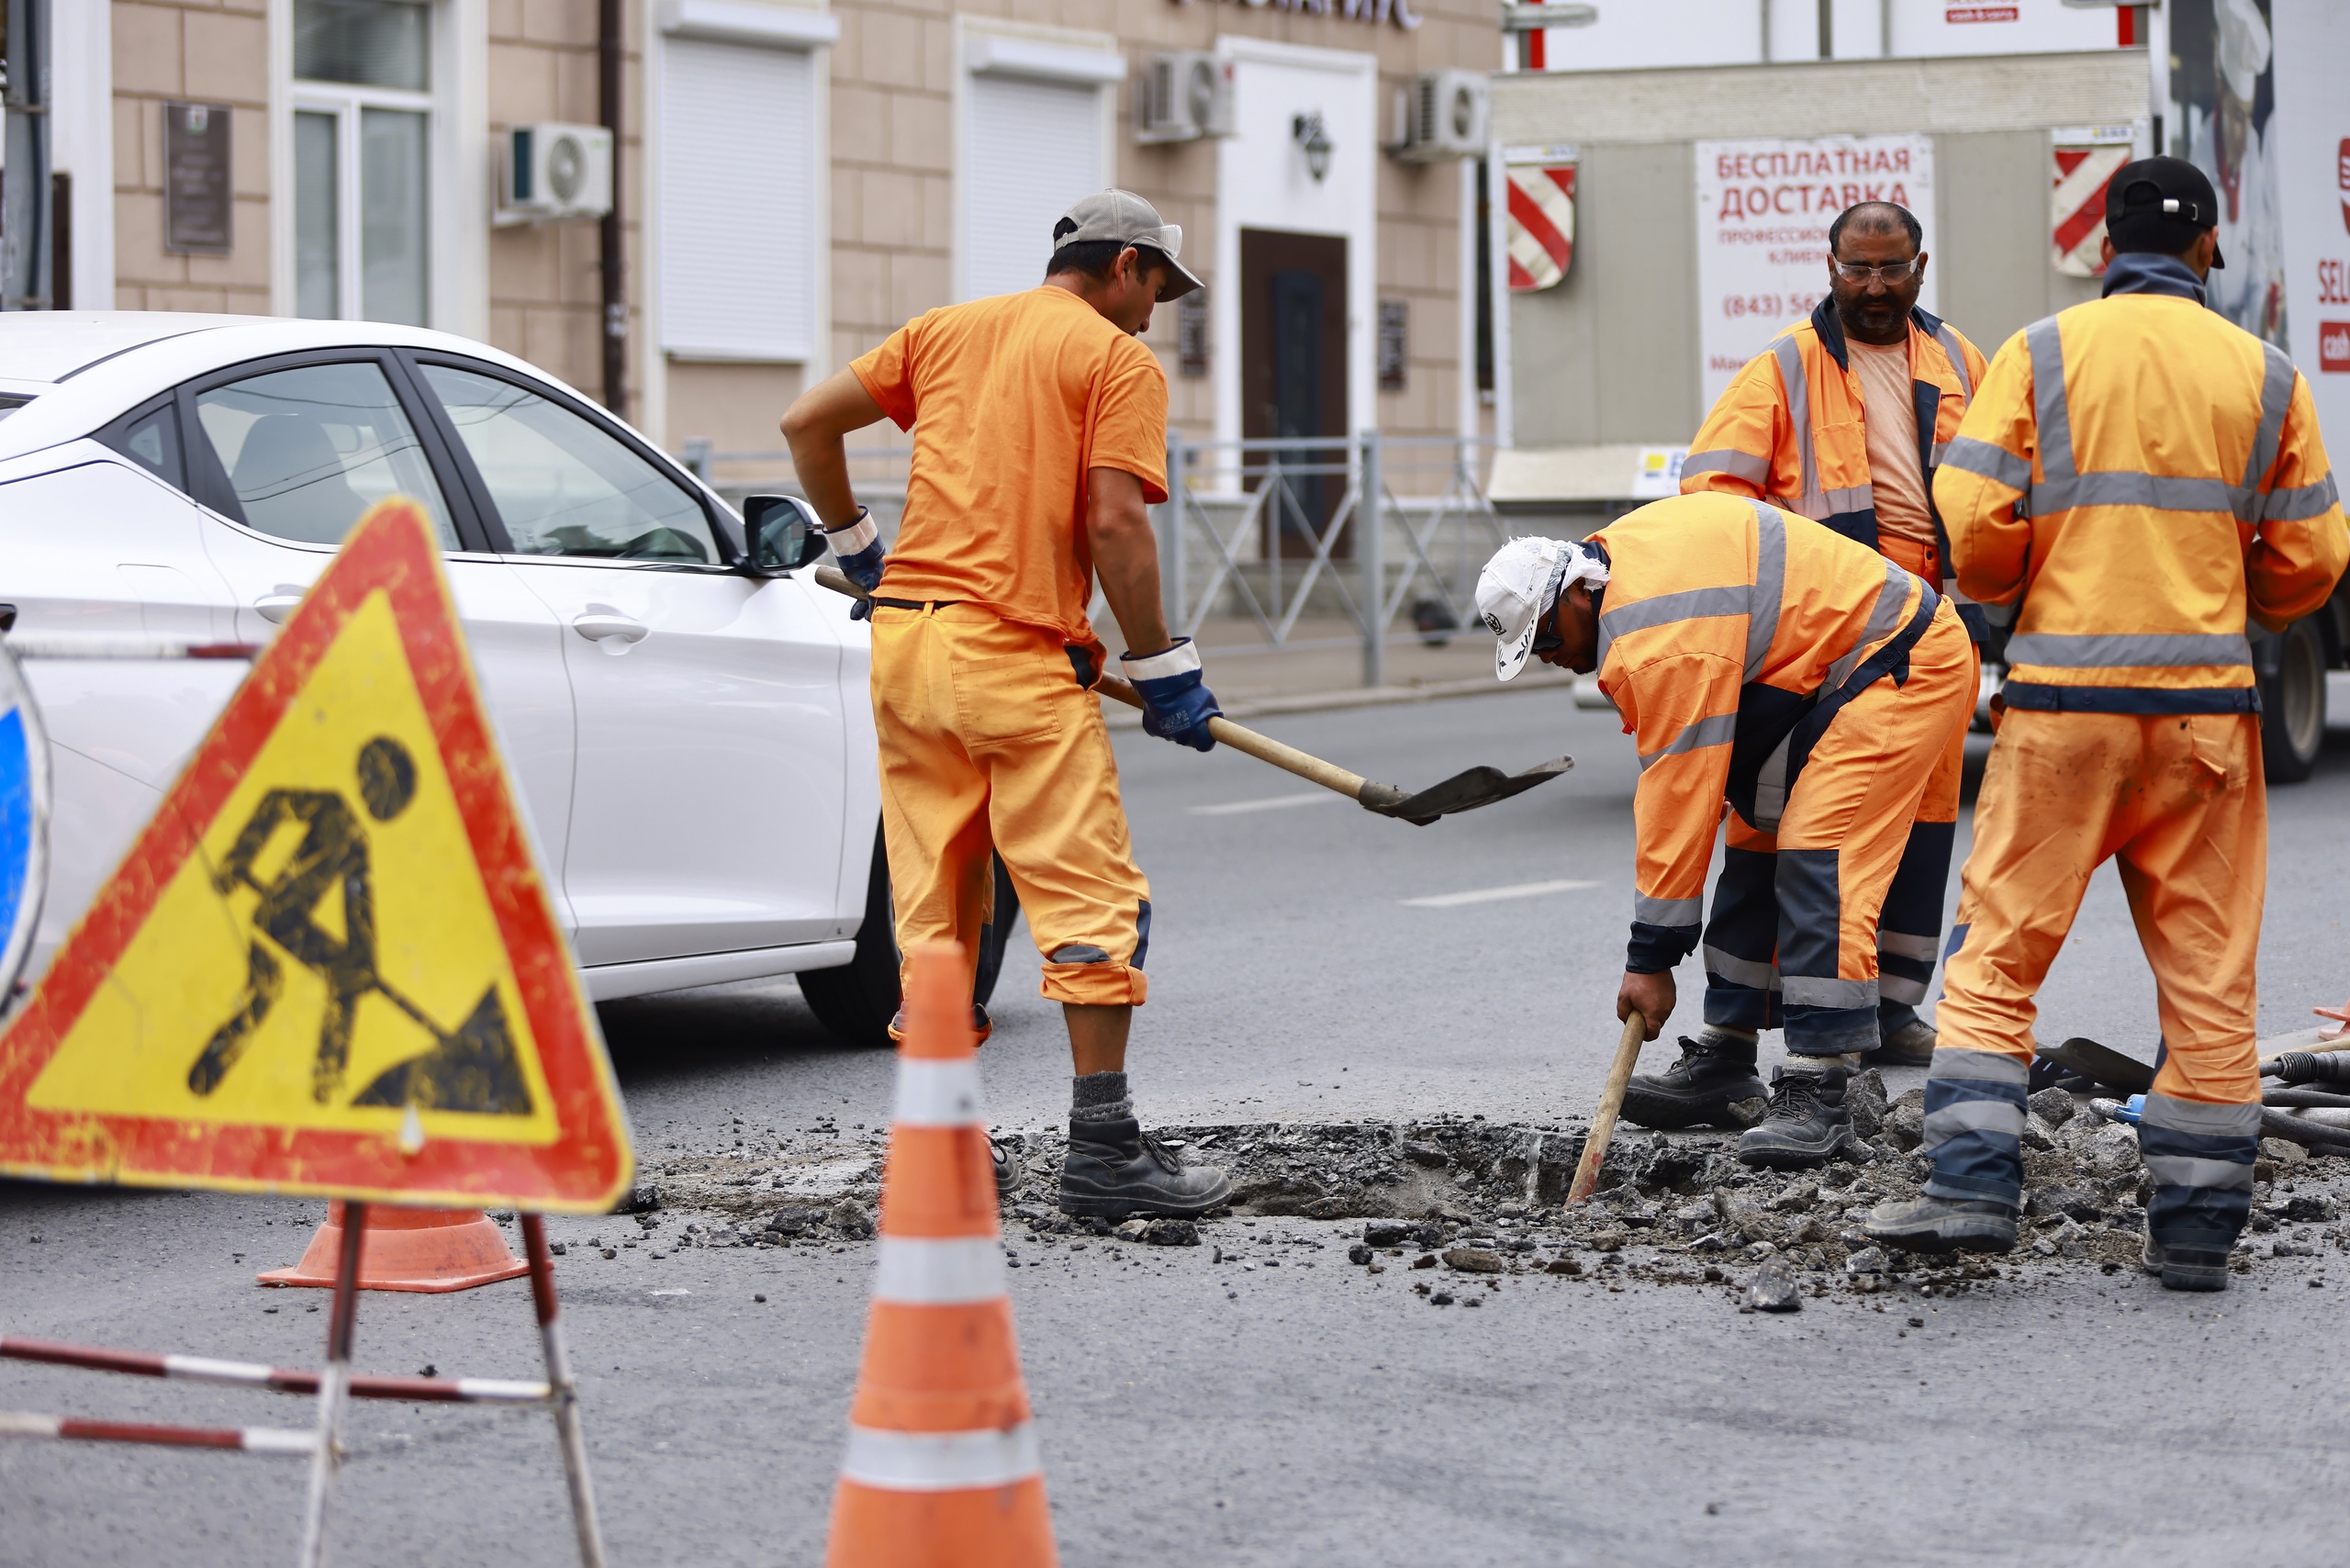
[{"x": 329, "y": 965}]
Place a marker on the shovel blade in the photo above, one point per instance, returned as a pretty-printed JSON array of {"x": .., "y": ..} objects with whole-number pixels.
[
  {"x": 2103, "y": 1064},
  {"x": 1462, "y": 793}
]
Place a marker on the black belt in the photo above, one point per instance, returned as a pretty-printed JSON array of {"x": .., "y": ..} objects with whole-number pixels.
[{"x": 881, "y": 603}]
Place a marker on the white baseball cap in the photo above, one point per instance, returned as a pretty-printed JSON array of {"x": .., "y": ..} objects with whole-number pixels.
[
  {"x": 1125, "y": 219},
  {"x": 1518, "y": 586}
]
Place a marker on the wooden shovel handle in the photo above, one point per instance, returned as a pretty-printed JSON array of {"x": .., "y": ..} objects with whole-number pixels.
[
  {"x": 1240, "y": 738},
  {"x": 1611, "y": 1100}
]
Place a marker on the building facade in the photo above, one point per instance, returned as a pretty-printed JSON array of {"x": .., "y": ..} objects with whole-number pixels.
[{"x": 790, "y": 182}]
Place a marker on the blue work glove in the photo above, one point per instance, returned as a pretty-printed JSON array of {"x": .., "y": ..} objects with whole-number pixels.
[
  {"x": 858, "y": 547},
  {"x": 1177, "y": 705}
]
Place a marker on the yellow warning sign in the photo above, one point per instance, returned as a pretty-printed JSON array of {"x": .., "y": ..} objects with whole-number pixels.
[{"x": 330, "y": 964}]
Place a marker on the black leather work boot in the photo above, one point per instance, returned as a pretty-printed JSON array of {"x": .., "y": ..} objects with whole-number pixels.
[
  {"x": 1809, "y": 1123},
  {"x": 1713, "y": 1085},
  {"x": 1115, "y": 1169}
]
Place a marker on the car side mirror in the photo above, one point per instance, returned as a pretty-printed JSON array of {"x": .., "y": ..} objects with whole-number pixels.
[{"x": 784, "y": 534}]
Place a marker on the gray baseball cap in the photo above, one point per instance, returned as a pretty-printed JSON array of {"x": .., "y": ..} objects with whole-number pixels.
[{"x": 1125, "y": 218}]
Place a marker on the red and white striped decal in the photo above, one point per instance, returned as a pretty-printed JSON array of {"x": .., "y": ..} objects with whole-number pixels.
[
  {"x": 284, "y": 1379},
  {"x": 71, "y": 1429},
  {"x": 2076, "y": 214},
  {"x": 1541, "y": 224}
]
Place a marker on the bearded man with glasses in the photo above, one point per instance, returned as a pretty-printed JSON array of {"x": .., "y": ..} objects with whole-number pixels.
[{"x": 1843, "y": 420}]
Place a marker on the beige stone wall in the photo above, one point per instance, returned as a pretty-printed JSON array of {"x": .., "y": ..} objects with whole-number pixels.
[
  {"x": 203, "y": 52},
  {"x": 546, "y": 281},
  {"x": 893, "y": 149}
]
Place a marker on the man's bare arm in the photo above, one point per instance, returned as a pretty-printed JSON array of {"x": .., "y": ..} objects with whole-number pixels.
[
  {"x": 814, "y": 426},
  {"x": 1125, "y": 557}
]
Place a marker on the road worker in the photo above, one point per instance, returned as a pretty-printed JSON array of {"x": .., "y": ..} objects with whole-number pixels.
[
  {"x": 1761, "y": 657},
  {"x": 1040, "y": 437},
  {"x": 2136, "y": 478},
  {"x": 1842, "y": 418}
]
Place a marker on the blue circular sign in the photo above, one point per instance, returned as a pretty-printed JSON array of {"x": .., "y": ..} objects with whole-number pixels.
[{"x": 24, "y": 824}]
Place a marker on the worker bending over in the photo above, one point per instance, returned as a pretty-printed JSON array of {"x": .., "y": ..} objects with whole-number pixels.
[
  {"x": 1040, "y": 437},
  {"x": 1758, "y": 656},
  {"x": 2137, "y": 475},
  {"x": 1843, "y": 418}
]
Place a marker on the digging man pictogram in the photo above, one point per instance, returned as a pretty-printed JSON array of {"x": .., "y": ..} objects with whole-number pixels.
[{"x": 475, "y": 1068}]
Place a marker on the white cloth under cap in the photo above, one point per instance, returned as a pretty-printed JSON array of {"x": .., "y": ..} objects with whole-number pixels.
[
  {"x": 1125, "y": 219},
  {"x": 1519, "y": 586}
]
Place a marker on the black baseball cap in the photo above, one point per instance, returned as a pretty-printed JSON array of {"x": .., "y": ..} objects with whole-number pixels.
[{"x": 2160, "y": 205}]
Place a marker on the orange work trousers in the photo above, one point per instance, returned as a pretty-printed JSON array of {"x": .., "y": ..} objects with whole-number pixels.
[
  {"x": 990, "y": 745},
  {"x": 2179, "y": 801}
]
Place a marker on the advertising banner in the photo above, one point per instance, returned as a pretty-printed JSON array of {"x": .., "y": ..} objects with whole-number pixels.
[
  {"x": 1764, "y": 208},
  {"x": 2312, "y": 150}
]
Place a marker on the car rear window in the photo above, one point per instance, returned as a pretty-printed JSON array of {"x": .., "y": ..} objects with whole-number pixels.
[{"x": 10, "y": 402}]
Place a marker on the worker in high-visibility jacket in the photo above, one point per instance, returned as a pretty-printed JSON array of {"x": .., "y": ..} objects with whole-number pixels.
[
  {"x": 1844, "y": 418},
  {"x": 2136, "y": 478},
  {"x": 1758, "y": 657}
]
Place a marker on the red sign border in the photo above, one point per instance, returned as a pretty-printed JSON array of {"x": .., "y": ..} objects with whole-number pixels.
[{"x": 588, "y": 1166}]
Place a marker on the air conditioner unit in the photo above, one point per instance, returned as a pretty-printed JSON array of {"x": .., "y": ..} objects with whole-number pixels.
[
  {"x": 1444, "y": 117},
  {"x": 550, "y": 173},
  {"x": 1184, "y": 98}
]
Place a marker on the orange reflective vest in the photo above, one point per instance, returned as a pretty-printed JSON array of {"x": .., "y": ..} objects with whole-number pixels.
[
  {"x": 1731, "y": 632},
  {"x": 1792, "y": 427},
  {"x": 2136, "y": 478}
]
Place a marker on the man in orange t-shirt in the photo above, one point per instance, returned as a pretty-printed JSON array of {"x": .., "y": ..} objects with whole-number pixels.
[{"x": 1040, "y": 440}]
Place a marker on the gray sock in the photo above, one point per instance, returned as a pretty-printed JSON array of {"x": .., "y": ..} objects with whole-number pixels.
[{"x": 1100, "y": 1097}]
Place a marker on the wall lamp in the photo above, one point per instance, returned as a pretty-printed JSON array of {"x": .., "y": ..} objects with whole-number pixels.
[{"x": 1307, "y": 132}]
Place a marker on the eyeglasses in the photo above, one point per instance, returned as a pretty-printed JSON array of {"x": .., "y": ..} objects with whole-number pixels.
[{"x": 1892, "y": 271}]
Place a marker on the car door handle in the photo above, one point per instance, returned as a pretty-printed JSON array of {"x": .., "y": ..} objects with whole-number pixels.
[
  {"x": 276, "y": 606},
  {"x": 610, "y": 628}
]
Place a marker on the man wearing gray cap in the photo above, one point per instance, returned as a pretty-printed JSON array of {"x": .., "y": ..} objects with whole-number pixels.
[{"x": 1040, "y": 440}]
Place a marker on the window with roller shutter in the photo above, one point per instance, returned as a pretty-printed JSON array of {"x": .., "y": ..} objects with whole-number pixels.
[{"x": 1034, "y": 147}]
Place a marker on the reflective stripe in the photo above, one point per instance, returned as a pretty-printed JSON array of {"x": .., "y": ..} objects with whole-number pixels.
[
  {"x": 2163, "y": 492},
  {"x": 1664, "y": 912},
  {"x": 1925, "y": 949},
  {"x": 1975, "y": 1117},
  {"x": 1688, "y": 604},
  {"x": 2301, "y": 503},
  {"x": 2201, "y": 1117},
  {"x": 1884, "y": 619},
  {"x": 940, "y": 1461},
  {"x": 1747, "y": 972},
  {"x": 1727, "y": 460},
  {"x": 1969, "y": 455},
  {"x": 1898, "y": 988},
  {"x": 1981, "y": 1066},
  {"x": 2276, "y": 398},
  {"x": 1859, "y": 497},
  {"x": 2188, "y": 1170},
  {"x": 919, "y": 1271},
  {"x": 933, "y": 1093},
  {"x": 1718, "y": 730},
  {"x": 1770, "y": 587},
  {"x": 1957, "y": 357},
  {"x": 1937, "y": 452},
  {"x": 1771, "y": 785},
  {"x": 2128, "y": 650},
  {"x": 2049, "y": 411},
  {"x": 1791, "y": 375},
  {"x": 1810, "y": 990}
]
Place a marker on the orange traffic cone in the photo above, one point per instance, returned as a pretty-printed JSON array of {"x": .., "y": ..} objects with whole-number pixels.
[
  {"x": 409, "y": 1249},
  {"x": 942, "y": 1465}
]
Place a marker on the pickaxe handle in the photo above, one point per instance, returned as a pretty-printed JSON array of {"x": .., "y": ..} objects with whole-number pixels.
[
  {"x": 1239, "y": 737},
  {"x": 1611, "y": 1100}
]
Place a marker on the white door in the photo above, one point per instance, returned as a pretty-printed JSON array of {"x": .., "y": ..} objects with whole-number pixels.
[
  {"x": 304, "y": 451},
  {"x": 97, "y": 548},
  {"x": 707, "y": 807}
]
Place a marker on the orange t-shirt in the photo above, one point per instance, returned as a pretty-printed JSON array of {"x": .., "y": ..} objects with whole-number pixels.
[{"x": 1011, "y": 400}]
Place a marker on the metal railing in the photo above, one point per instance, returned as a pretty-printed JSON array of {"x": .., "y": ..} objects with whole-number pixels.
[{"x": 1286, "y": 537}]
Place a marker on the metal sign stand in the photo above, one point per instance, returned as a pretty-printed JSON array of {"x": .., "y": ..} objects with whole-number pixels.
[{"x": 336, "y": 1385}]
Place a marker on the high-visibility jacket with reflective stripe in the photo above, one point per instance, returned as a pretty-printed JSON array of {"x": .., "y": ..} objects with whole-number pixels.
[
  {"x": 2136, "y": 477},
  {"x": 1792, "y": 427},
  {"x": 1721, "y": 619}
]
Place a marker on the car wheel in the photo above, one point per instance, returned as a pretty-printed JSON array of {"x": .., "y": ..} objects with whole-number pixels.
[
  {"x": 2292, "y": 703},
  {"x": 857, "y": 1000}
]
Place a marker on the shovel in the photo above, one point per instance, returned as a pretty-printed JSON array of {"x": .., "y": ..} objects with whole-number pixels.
[
  {"x": 1461, "y": 793},
  {"x": 2102, "y": 1065}
]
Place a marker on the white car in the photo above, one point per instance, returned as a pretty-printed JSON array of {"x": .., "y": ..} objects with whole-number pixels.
[{"x": 689, "y": 734}]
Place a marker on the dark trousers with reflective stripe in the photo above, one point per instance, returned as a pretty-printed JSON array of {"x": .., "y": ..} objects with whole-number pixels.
[{"x": 1796, "y": 937}]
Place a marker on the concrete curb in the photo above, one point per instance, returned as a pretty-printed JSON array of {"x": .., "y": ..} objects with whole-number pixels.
[{"x": 1121, "y": 718}]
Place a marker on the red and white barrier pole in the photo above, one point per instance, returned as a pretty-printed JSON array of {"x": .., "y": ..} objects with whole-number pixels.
[
  {"x": 251, "y": 1440},
  {"x": 283, "y": 1380}
]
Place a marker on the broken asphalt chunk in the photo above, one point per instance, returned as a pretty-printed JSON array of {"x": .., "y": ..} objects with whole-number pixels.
[{"x": 1775, "y": 1288}]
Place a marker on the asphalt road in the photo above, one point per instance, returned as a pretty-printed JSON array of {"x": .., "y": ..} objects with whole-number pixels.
[{"x": 1241, "y": 1412}]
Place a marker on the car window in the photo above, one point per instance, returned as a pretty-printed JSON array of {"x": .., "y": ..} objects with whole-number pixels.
[
  {"x": 308, "y": 450},
  {"x": 562, "y": 484},
  {"x": 153, "y": 444}
]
